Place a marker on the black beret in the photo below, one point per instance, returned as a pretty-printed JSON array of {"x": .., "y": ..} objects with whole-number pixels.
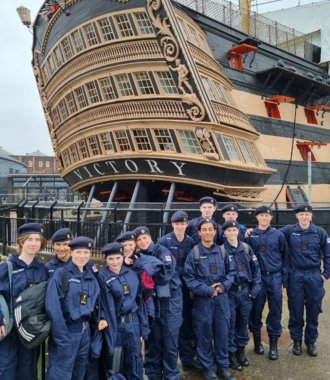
[
  {"x": 141, "y": 231},
  {"x": 81, "y": 242},
  {"x": 204, "y": 221},
  {"x": 263, "y": 210},
  {"x": 229, "y": 207},
  {"x": 125, "y": 236},
  {"x": 303, "y": 208},
  {"x": 63, "y": 234},
  {"x": 30, "y": 228},
  {"x": 208, "y": 200},
  {"x": 230, "y": 224},
  {"x": 113, "y": 249},
  {"x": 179, "y": 216}
]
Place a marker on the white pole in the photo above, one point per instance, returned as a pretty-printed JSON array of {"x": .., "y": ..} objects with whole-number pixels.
[{"x": 310, "y": 177}]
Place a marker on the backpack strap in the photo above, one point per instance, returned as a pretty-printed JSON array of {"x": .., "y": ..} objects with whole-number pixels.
[
  {"x": 10, "y": 277},
  {"x": 223, "y": 251},
  {"x": 197, "y": 255},
  {"x": 247, "y": 250},
  {"x": 65, "y": 282}
]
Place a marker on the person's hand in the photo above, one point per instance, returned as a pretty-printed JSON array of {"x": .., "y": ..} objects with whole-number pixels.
[
  {"x": 3, "y": 329},
  {"x": 103, "y": 324},
  {"x": 128, "y": 260},
  {"x": 248, "y": 233}
]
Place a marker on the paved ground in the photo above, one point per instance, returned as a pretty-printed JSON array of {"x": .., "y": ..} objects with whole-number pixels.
[{"x": 288, "y": 367}]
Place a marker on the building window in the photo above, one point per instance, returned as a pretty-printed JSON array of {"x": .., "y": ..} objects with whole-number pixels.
[
  {"x": 106, "y": 29},
  {"x": 66, "y": 158},
  {"x": 74, "y": 153},
  {"x": 106, "y": 88},
  {"x": 124, "y": 85},
  {"x": 92, "y": 92},
  {"x": 310, "y": 116},
  {"x": 94, "y": 145},
  {"x": 81, "y": 97},
  {"x": 83, "y": 148},
  {"x": 59, "y": 56},
  {"x": 124, "y": 25},
  {"x": 272, "y": 110},
  {"x": 190, "y": 142},
  {"x": 91, "y": 36},
  {"x": 78, "y": 41},
  {"x": 144, "y": 23},
  {"x": 63, "y": 110},
  {"x": 122, "y": 140},
  {"x": 47, "y": 164},
  {"x": 67, "y": 48},
  {"x": 51, "y": 63},
  {"x": 71, "y": 103},
  {"x": 30, "y": 164},
  {"x": 107, "y": 142},
  {"x": 40, "y": 164},
  {"x": 166, "y": 82},
  {"x": 207, "y": 87},
  {"x": 141, "y": 139},
  {"x": 231, "y": 148},
  {"x": 144, "y": 83},
  {"x": 219, "y": 91},
  {"x": 164, "y": 140},
  {"x": 248, "y": 158}
]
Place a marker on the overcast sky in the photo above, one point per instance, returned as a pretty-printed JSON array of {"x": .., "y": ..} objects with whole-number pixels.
[{"x": 22, "y": 124}]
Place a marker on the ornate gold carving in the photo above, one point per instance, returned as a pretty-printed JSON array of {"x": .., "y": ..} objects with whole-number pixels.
[
  {"x": 183, "y": 74},
  {"x": 242, "y": 194},
  {"x": 204, "y": 59},
  {"x": 204, "y": 137}
]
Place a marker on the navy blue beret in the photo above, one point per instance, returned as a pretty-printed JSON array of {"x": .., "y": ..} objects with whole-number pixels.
[
  {"x": 208, "y": 200},
  {"x": 230, "y": 224},
  {"x": 179, "y": 216},
  {"x": 30, "y": 228},
  {"x": 303, "y": 208},
  {"x": 113, "y": 249},
  {"x": 81, "y": 242},
  {"x": 63, "y": 234},
  {"x": 263, "y": 210},
  {"x": 206, "y": 220},
  {"x": 141, "y": 231},
  {"x": 229, "y": 207},
  {"x": 125, "y": 236}
]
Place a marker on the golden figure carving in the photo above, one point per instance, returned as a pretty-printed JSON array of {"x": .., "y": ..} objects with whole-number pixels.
[
  {"x": 204, "y": 137},
  {"x": 183, "y": 73}
]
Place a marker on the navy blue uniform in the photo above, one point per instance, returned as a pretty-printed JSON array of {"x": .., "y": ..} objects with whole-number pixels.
[
  {"x": 245, "y": 288},
  {"x": 70, "y": 314},
  {"x": 180, "y": 252},
  {"x": 271, "y": 249},
  {"x": 161, "y": 352},
  {"x": 18, "y": 362},
  {"x": 211, "y": 316},
  {"x": 52, "y": 265},
  {"x": 192, "y": 230},
  {"x": 305, "y": 284},
  {"x": 132, "y": 323}
]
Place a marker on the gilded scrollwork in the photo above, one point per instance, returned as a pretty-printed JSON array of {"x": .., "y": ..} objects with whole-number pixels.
[{"x": 205, "y": 139}]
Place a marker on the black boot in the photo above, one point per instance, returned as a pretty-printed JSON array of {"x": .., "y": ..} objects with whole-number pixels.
[
  {"x": 311, "y": 349},
  {"x": 258, "y": 347},
  {"x": 273, "y": 353},
  {"x": 297, "y": 350},
  {"x": 233, "y": 362},
  {"x": 241, "y": 358},
  {"x": 225, "y": 374}
]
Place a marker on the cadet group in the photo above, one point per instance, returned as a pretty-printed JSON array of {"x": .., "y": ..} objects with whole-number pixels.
[{"x": 194, "y": 294}]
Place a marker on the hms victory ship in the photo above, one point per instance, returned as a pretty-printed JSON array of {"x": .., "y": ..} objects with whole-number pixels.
[{"x": 145, "y": 97}]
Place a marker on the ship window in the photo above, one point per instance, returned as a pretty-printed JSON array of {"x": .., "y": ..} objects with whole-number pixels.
[
  {"x": 92, "y": 92},
  {"x": 193, "y": 35},
  {"x": 122, "y": 140},
  {"x": 183, "y": 27},
  {"x": 255, "y": 153},
  {"x": 59, "y": 56},
  {"x": 106, "y": 29},
  {"x": 52, "y": 65},
  {"x": 207, "y": 87},
  {"x": 78, "y": 41},
  {"x": 141, "y": 139},
  {"x": 74, "y": 153},
  {"x": 219, "y": 91},
  {"x": 164, "y": 140},
  {"x": 107, "y": 142},
  {"x": 56, "y": 116},
  {"x": 124, "y": 85},
  {"x": 67, "y": 48},
  {"x": 144, "y": 83},
  {"x": 107, "y": 89},
  {"x": 63, "y": 110},
  {"x": 83, "y": 148},
  {"x": 81, "y": 97},
  {"x": 231, "y": 148},
  {"x": 94, "y": 145},
  {"x": 71, "y": 103},
  {"x": 310, "y": 116},
  {"x": 190, "y": 142},
  {"x": 46, "y": 71},
  {"x": 272, "y": 110},
  {"x": 66, "y": 158},
  {"x": 144, "y": 23},
  {"x": 91, "y": 36},
  {"x": 124, "y": 25},
  {"x": 245, "y": 151},
  {"x": 166, "y": 82}
]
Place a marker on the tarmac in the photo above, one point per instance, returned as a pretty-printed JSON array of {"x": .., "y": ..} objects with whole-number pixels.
[{"x": 288, "y": 366}]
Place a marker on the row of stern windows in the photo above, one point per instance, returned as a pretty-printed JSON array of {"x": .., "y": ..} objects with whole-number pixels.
[{"x": 161, "y": 140}]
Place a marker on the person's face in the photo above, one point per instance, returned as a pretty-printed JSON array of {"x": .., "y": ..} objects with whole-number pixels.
[
  {"x": 179, "y": 228},
  {"x": 80, "y": 256},
  {"x": 61, "y": 249},
  {"x": 32, "y": 244},
  {"x": 304, "y": 218},
  {"x": 230, "y": 216},
  {"x": 129, "y": 248},
  {"x": 207, "y": 233},
  {"x": 264, "y": 219},
  {"x": 231, "y": 233},
  {"x": 143, "y": 241},
  {"x": 115, "y": 262},
  {"x": 207, "y": 210}
]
